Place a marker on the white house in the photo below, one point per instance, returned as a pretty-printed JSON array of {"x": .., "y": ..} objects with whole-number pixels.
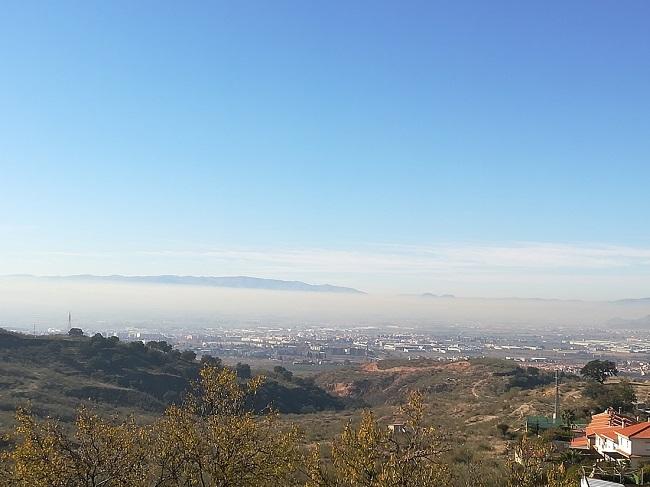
[
  {"x": 634, "y": 442},
  {"x": 631, "y": 443}
]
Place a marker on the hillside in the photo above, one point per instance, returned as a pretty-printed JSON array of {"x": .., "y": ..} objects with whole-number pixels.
[
  {"x": 467, "y": 398},
  {"x": 55, "y": 374}
]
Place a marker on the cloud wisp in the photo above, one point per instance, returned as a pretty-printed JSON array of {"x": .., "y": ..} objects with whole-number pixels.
[
  {"x": 589, "y": 271},
  {"x": 416, "y": 259}
]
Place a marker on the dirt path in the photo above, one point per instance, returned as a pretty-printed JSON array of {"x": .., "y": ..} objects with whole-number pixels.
[
  {"x": 476, "y": 386},
  {"x": 481, "y": 418}
]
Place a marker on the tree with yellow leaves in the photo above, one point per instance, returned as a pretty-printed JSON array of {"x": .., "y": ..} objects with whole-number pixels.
[
  {"x": 371, "y": 456},
  {"x": 214, "y": 440},
  {"x": 532, "y": 466},
  {"x": 98, "y": 454},
  {"x": 210, "y": 440}
]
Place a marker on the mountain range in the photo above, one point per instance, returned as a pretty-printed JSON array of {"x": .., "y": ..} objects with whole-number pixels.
[{"x": 241, "y": 282}]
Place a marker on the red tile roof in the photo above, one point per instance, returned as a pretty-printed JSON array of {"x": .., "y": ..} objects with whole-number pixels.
[
  {"x": 580, "y": 442},
  {"x": 641, "y": 430},
  {"x": 607, "y": 424},
  {"x": 608, "y": 432},
  {"x": 605, "y": 420}
]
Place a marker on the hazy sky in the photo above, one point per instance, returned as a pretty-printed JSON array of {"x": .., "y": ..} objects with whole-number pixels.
[
  {"x": 476, "y": 148},
  {"x": 110, "y": 306}
]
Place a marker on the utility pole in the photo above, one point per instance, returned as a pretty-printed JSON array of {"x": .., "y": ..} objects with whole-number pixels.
[{"x": 556, "y": 411}]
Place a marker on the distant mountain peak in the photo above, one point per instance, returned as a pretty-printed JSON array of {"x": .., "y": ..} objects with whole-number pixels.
[
  {"x": 431, "y": 295},
  {"x": 633, "y": 301}
]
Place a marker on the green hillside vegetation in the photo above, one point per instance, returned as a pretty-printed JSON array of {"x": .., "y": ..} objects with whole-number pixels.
[{"x": 55, "y": 374}]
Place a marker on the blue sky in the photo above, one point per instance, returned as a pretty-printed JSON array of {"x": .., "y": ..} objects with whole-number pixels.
[{"x": 394, "y": 146}]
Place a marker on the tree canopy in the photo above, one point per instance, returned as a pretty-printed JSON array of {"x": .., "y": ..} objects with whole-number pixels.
[{"x": 599, "y": 370}]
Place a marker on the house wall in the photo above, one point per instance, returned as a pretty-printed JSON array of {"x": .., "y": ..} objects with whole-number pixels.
[
  {"x": 603, "y": 444},
  {"x": 640, "y": 446},
  {"x": 625, "y": 445}
]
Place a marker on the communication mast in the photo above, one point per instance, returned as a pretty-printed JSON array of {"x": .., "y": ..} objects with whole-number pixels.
[{"x": 69, "y": 320}]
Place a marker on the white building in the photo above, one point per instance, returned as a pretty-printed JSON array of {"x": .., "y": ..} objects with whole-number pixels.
[
  {"x": 634, "y": 442},
  {"x": 631, "y": 443}
]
